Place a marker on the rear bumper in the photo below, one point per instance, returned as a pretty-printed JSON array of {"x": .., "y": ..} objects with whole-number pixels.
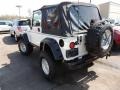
[{"x": 79, "y": 63}]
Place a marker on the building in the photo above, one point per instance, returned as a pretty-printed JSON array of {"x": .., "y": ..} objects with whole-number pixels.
[{"x": 110, "y": 10}]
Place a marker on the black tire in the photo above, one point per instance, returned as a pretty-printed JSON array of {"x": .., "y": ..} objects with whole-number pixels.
[
  {"x": 51, "y": 64},
  {"x": 11, "y": 35},
  {"x": 28, "y": 46},
  {"x": 94, "y": 40}
]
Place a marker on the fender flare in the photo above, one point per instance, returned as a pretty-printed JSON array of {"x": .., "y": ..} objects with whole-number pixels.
[{"x": 54, "y": 47}]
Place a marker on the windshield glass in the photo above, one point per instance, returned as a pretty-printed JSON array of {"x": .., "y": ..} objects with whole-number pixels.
[
  {"x": 81, "y": 16},
  {"x": 23, "y": 23}
]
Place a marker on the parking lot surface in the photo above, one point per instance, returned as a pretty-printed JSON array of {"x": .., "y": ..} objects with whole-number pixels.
[{"x": 19, "y": 72}]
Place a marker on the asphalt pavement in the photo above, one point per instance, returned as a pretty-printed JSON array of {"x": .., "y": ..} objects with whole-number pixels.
[{"x": 19, "y": 72}]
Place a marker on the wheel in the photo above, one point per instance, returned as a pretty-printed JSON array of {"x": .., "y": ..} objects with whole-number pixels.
[
  {"x": 11, "y": 35},
  {"x": 47, "y": 65},
  {"x": 99, "y": 40},
  {"x": 25, "y": 48}
]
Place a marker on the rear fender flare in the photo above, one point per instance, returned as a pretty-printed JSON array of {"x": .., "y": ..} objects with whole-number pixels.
[{"x": 54, "y": 47}]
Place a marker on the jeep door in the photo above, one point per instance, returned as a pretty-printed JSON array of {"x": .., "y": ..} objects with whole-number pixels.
[{"x": 34, "y": 33}]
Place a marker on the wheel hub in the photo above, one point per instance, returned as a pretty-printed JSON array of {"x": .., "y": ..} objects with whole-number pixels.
[
  {"x": 45, "y": 66},
  {"x": 22, "y": 47},
  {"x": 106, "y": 40}
]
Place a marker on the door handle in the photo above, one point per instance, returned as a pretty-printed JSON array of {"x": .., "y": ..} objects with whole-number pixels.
[{"x": 79, "y": 40}]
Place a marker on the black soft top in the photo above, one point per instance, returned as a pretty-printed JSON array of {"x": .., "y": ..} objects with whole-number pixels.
[
  {"x": 66, "y": 3},
  {"x": 64, "y": 19}
]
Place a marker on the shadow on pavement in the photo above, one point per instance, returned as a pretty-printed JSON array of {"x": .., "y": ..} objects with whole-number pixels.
[
  {"x": 75, "y": 80},
  {"x": 9, "y": 40},
  {"x": 23, "y": 73}
]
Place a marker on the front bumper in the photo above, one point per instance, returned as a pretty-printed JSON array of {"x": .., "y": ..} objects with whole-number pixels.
[{"x": 79, "y": 63}]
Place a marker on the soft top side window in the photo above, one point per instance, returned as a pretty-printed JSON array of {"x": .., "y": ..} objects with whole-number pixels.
[
  {"x": 51, "y": 21},
  {"x": 37, "y": 16}
]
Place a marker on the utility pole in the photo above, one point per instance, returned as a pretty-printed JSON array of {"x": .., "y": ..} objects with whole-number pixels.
[
  {"x": 30, "y": 12},
  {"x": 19, "y": 7},
  {"x": 90, "y": 1}
]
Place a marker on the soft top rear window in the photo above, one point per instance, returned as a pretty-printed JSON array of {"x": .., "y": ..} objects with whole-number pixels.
[{"x": 82, "y": 15}]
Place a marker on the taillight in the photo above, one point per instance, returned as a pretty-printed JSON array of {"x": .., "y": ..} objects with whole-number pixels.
[
  {"x": 19, "y": 29},
  {"x": 72, "y": 45}
]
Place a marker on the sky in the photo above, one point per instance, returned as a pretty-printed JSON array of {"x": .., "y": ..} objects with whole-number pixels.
[{"x": 9, "y": 6}]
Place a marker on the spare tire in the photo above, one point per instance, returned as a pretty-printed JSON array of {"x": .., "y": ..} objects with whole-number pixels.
[{"x": 99, "y": 40}]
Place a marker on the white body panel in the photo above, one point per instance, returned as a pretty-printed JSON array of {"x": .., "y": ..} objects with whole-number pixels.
[{"x": 36, "y": 37}]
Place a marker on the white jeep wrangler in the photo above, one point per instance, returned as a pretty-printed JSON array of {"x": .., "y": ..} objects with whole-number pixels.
[{"x": 68, "y": 33}]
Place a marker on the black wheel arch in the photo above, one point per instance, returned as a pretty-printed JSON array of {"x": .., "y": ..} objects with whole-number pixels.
[
  {"x": 24, "y": 37},
  {"x": 51, "y": 45}
]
